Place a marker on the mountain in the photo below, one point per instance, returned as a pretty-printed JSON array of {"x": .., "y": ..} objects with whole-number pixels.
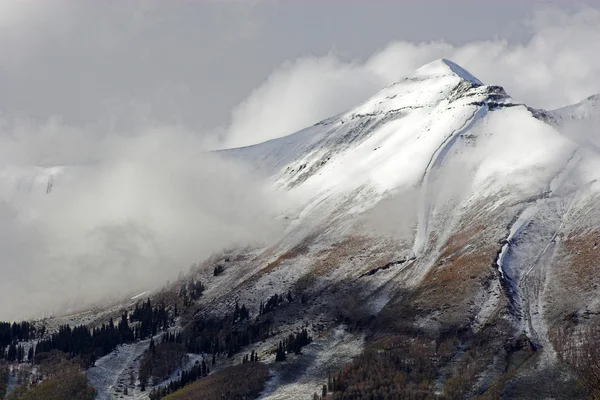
[
  {"x": 586, "y": 109},
  {"x": 441, "y": 239}
]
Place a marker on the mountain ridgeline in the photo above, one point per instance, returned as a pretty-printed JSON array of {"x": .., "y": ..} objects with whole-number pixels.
[{"x": 441, "y": 242}]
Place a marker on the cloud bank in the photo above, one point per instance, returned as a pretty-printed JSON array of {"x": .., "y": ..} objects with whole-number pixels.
[
  {"x": 555, "y": 67},
  {"x": 140, "y": 209}
]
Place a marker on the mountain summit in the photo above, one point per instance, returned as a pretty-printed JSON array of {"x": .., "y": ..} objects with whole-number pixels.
[
  {"x": 443, "y": 230},
  {"x": 404, "y": 139},
  {"x": 443, "y": 67},
  {"x": 444, "y": 196}
]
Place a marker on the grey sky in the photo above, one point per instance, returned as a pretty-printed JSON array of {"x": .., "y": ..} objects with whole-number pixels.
[{"x": 192, "y": 62}]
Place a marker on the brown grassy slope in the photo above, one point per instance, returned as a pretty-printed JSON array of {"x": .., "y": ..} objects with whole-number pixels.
[
  {"x": 572, "y": 293},
  {"x": 3, "y": 379},
  {"x": 448, "y": 291},
  {"x": 575, "y": 278},
  {"x": 66, "y": 385},
  {"x": 244, "y": 381}
]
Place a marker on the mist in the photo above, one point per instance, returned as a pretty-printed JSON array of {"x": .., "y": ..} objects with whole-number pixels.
[{"x": 139, "y": 211}]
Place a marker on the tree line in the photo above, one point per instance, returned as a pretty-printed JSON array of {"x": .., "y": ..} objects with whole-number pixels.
[
  {"x": 18, "y": 332},
  {"x": 12, "y": 334},
  {"x": 292, "y": 344},
  {"x": 188, "y": 376},
  {"x": 89, "y": 344},
  {"x": 273, "y": 302}
]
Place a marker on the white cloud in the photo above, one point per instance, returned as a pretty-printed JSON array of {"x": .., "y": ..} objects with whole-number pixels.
[
  {"x": 556, "y": 67},
  {"x": 145, "y": 207},
  {"x": 305, "y": 90}
]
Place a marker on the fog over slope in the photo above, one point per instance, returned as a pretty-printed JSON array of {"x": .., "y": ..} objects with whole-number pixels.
[
  {"x": 124, "y": 201},
  {"x": 75, "y": 234}
]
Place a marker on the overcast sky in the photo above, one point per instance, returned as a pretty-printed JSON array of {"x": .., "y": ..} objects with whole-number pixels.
[{"x": 119, "y": 64}]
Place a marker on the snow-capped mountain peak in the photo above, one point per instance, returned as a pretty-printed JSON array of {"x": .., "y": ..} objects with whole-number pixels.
[
  {"x": 429, "y": 85},
  {"x": 401, "y": 139},
  {"x": 408, "y": 120},
  {"x": 443, "y": 67}
]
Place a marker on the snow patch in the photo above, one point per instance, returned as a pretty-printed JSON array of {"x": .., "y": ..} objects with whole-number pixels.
[{"x": 443, "y": 67}]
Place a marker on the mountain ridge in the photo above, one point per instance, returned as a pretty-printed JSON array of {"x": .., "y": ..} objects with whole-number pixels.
[{"x": 439, "y": 212}]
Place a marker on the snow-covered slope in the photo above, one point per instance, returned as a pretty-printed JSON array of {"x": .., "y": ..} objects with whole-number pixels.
[
  {"x": 409, "y": 137},
  {"x": 482, "y": 169},
  {"x": 586, "y": 109},
  {"x": 491, "y": 182},
  {"x": 439, "y": 186},
  {"x": 427, "y": 154}
]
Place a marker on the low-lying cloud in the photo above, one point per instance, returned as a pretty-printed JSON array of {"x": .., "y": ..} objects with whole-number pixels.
[
  {"x": 556, "y": 67},
  {"x": 141, "y": 209}
]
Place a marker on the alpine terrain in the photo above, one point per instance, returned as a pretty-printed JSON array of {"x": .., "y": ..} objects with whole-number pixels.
[{"x": 441, "y": 240}]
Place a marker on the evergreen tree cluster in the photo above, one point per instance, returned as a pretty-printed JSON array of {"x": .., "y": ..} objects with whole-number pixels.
[
  {"x": 292, "y": 344},
  {"x": 12, "y": 334},
  {"x": 188, "y": 376},
  {"x": 240, "y": 313},
  {"x": 89, "y": 344},
  {"x": 161, "y": 360},
  {"x": 172, "y": 337},
  {"x": 296, "y": 342},
  {"x": 14, "y": 352},
  {"x": 216, "y": 336},
  {"x": 222, "y": 336},
  {"x": 252, "y": 357},
  {"x": 280, "y": 354},
  {"x": 20, "y": 332},
  {"x": 273, "y": 302},
  {"x": 190, "y": 291},
  {"x": 151, "y": 319}
]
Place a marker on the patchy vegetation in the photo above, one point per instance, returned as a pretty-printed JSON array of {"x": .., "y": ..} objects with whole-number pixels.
[
  {"x": 240, "y": 382},
  {"x": 160, "y": 361},
  {"x": 3, "y": 380},
  {"x": 413, "y": 364},
  {"x": 387, "y": 374},
  {"x": 579, "y": 349},
  {"x": 459, "y": 273},
  {"x": 578, "y": 267},
  {"x": 68, "y": 382}
]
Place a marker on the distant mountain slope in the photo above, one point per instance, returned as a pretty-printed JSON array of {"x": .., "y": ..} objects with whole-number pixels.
[{"x": 586, "y": 109}]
